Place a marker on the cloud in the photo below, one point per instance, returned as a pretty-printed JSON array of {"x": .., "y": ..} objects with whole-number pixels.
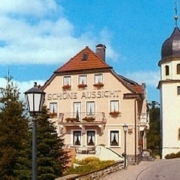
[
  {"x": 33, "y": 7},
  {"x": 37, "y": 32},
  {"x": 150, "y": 78}
]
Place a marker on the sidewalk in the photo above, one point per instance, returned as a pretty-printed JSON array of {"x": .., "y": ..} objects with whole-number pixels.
[{"x": 131, "y": 172}]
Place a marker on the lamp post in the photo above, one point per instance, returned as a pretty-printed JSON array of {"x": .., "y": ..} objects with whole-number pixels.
[
  {"x": 125, "y": 128},
  {"x": 34, "y": 99}
]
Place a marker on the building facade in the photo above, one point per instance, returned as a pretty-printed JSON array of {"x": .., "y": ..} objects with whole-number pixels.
[
  {"x": 169, "y": 86},
  {"x": 90, "y": 103}
]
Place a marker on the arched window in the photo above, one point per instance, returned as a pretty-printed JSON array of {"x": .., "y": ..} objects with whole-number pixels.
[
  {"x": 178, "y": 68},
  {"x": 166, "y": 70}
]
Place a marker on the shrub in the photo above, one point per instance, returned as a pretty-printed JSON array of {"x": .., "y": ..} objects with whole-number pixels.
[
  {"x": 88, "y": 165},
  {"x": 173, "y": 155}
]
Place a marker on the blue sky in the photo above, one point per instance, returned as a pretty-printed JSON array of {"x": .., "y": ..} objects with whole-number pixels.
[{"x": 38, "y": 36}]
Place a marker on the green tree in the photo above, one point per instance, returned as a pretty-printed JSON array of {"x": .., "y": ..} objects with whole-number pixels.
[
  {"x": 153, "y": 136},
  {"x": 51, "y": 158},
  {"x": 14, "y": 127}
]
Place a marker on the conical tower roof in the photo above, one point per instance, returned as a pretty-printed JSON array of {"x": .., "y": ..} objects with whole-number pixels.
[{"x": 171, "y": 46}]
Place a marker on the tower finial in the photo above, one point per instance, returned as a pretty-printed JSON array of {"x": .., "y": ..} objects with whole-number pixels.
[{"x": 176, "y": 13}]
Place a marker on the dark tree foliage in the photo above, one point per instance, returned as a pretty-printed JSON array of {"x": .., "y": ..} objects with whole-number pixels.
[
  {"x": 13, "y": 130},
  {"x": 23, "y": 166},
  {"x": 51, "y": 158},
  {"x": 153, "y": 136}
]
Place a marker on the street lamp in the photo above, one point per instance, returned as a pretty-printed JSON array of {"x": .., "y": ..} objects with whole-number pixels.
[
  {"x": 125, "y": 128},
  {"x": 34, "y": 99}
]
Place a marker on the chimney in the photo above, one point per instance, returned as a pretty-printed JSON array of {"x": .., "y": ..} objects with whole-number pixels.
[{"x": 100, "y": 51}]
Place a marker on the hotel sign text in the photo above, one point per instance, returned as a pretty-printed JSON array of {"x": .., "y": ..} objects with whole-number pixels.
[{"x": 83, "y": 95}]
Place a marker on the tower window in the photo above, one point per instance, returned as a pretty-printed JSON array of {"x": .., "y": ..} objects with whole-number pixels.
[
  {"x": 179, "y": 134},
  {"x": 166, "y": 70},
  {"x": 178, "y": 90},
  {"x": 178, "y": 68}
]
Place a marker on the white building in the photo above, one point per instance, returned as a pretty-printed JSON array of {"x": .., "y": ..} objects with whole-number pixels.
[{"x": 169, "y": 86}]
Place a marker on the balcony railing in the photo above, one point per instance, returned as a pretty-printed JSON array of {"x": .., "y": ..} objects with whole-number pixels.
[{"x": 82, "y": 117}]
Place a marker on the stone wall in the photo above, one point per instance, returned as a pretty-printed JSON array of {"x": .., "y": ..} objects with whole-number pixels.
[{"x": 96, "y": 175}]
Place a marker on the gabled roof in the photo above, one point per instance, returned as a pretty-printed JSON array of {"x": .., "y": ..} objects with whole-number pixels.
[
  {"x": 84, "y": 60},
  {"x": 88, "y": 60}
]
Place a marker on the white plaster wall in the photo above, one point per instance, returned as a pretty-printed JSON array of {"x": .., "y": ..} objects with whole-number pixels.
[
  {"x": 172, "y": 71},
  {"x": 102, "y": 104},
  {"x": 170, "y": 117}
]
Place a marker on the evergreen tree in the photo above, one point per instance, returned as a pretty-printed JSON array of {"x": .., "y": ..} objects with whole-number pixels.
[
  {"x": 13, "y": 129},
  {"x": 24, "y": 162},
  {"x": 51, "y": 158},
  {"x": 153, "y": 136}
]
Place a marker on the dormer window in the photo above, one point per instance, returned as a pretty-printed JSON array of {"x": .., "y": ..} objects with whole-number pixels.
[{"x": 84, "y": 57}]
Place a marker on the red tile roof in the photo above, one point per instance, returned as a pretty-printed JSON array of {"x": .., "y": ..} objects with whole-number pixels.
[
  {"x": 86, "y": 59},
  {"x": 91, "y": 61},
  {"x": 139, "y": 88}
]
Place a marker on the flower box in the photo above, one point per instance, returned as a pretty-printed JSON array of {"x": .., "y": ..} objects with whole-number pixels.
[
  {"x": 88, "y": 119},
  {"x": 52, "y": 115},
  {"x": 71, "y": 119},
  {"x": 114, "y": 114},
  {"x": 82, "y": 85},
  {"x": 98, "y": 85},
  {"x": 66, "y": 87}
]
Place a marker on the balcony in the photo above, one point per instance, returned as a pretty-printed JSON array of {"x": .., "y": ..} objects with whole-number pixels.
[
  {"x": 81, "y": 120},
  {"x": 144, "y": 120}
]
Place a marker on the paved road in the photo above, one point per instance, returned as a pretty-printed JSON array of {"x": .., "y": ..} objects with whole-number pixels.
[{"x": 149, "y": 170}]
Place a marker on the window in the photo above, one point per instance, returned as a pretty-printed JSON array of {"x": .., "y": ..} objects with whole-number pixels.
[
  {"x": 67, "y": 80},
  {"x": 90, "y": 108},
  {"x": 179, "y": 134},
  {"x": 98, "y": 78},
  {"x": 178, "y": 68},
  {"x": 178, "y": 90},
  {"x": 90, "y": 138},
  {"x": 83, "y": 79},
  {"x": 84, "y": 57},
  {"x": 114, "y": 106},
  {"x": 53, "y": 107},
  {"x": 76, "y": 110},
  {"x": 166, "y": 70},
  {"x": 77, "y": 138},
  {"x": 114, "y": 138}
]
